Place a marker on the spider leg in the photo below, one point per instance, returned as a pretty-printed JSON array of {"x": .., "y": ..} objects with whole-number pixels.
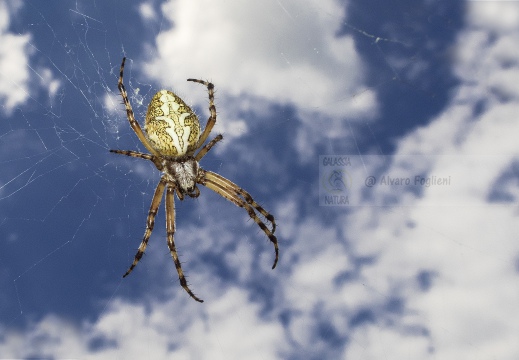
[
  {"x": 208, "y": 147},
  {"x": 150, "y": 222},
  {"x": 129, "y": 113},
  {"x": 232, "y": 192},
  {"x": 248, "y": 198},
  {"x": 212, "y": 118},
  {"x": 170, "y": 229},
  {"x": 136, "y": 154}
]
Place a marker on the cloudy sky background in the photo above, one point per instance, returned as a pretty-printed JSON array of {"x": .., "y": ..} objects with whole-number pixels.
[{"x": 404, "y": 88}]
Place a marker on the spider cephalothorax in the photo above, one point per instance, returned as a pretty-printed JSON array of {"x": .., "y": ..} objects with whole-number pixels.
[
  {"x": 173, "y": 135},
  {"x": 184, "y": 172}
]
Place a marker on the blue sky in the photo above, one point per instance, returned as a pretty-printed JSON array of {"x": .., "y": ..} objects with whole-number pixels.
[{"x": 403, "y": 89}]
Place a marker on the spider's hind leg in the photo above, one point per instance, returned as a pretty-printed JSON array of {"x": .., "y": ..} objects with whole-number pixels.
[
  {"x": 150, "y": 223},
  {"x": 170, "y": 230},
  {"x": 232, "y": 192}
]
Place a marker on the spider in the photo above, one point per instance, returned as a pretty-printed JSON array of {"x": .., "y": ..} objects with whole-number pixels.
[{"x": 172, "y": 136}]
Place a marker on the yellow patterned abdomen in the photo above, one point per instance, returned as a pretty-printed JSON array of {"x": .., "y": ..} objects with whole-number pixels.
[{"x": 172, "y": 127}]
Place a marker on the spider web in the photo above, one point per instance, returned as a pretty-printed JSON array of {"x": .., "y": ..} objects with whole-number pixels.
[{"x": 293, "y": 82}]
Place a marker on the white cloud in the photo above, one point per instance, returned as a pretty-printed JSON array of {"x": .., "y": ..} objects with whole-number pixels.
[
  {"x": 285, "y": 52},
  {"x": 14, "y": 64},
  {"x": 386, "y": 345},
  {"x": 147, "y": 12},
  {"x": 494, "y": 15},
  {"x": 14, "y": 71},
  {"x": 266, "y": 53},
  {"x": 225, "y": 329},
  {"x": 471, "y": 250}
]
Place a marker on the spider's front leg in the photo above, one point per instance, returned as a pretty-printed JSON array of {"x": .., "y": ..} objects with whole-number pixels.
[
  {"x": 129, "y": 113},
  {"x": 154, "y": 159},
  {"x": 208, "y": 147},
  {"x": 212, "y": 109},
  {"x": 170, "y": 229}
]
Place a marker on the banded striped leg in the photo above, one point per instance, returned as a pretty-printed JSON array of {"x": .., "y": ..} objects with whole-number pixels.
[
  {"x": 212, "y": 109},
  {"x": 232, "y": 192},
  {"x": 170, "y": 229},
  {"x": 136, "y": 154},
  {"x": 208, "y": 147},
  {"x": 150, "y": 222},
  {"x": 129, "y": 113},
  {"x": 133, "y": 154}
]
